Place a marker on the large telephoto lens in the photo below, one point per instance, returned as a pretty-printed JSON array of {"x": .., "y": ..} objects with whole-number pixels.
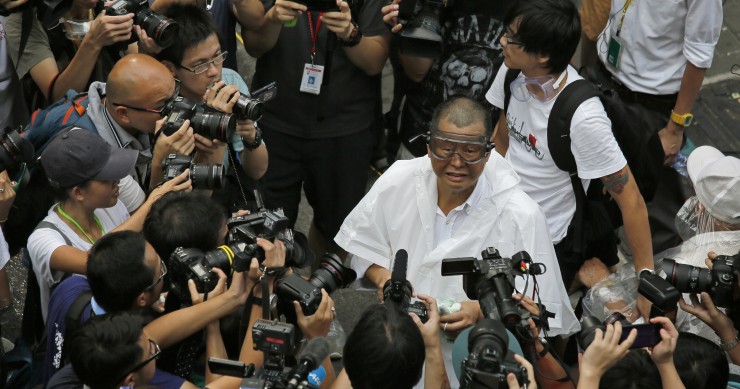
[
  {"x": 221, "y": 258},
  {"x": 214, "y": 125},
  {"x": 14, "y": 149},
  {"x": 158, "y": 27},
  {"x": 247, "y": 108},
  {"x": 687, "y": 278},
  {"x": 332, "y": 274},
  {"x": 207, "y": 175}
]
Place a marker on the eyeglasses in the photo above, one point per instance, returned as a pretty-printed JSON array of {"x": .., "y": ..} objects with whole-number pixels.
[
  {"x": 470, "y": 149},
  {"x": 154, "y": 352},
  {"x": 202, "y": 68},
  {"x": 160, "y": 111},
  {"x": 161, "y": 277},
  {"x": 512, "y": 41}
]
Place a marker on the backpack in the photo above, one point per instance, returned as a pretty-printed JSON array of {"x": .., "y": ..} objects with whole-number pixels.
[
  {"x": 636, "y": 130},
  {"x": 33, "y": 200}
]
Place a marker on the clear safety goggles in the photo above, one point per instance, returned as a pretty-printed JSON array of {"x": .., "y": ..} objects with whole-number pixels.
[
  {"x": 523, "y": 88},
  {"x": 470, "y": 149}
]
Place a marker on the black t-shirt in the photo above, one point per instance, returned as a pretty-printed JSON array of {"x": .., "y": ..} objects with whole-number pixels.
[
  {"x": 353, "y": 100},
  {"x": 471, "y": 58},
  {"x": 224, "y": 18}
]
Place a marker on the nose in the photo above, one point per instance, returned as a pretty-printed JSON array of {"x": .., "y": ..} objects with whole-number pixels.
[
  {"x": 502, "y": 40},
  {"x": 213, "y": 70},
  {"x": 456, "y": 160}
]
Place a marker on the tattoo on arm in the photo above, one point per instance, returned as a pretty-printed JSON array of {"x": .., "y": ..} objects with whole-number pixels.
[{"x": 617, "y": 181}]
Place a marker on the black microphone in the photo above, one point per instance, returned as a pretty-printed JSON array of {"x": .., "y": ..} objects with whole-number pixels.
[
  {"x": 316, "y": 350},
  {"x": 400, "y": 264},
  {"x": 398, "y": 290}
]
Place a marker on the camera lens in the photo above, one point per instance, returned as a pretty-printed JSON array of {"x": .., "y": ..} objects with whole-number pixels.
[
  {"x": 687, "y": 278},
  {"x": 207, "y": 175},
  {"x": 14, "y": 149},
  {"x": 589, "y": 324},
  {"x": 615, "y": 317},
  {"x": 247, "y": 108},
  {"x": 221, "y": 258},
  {"x": 214, "y": 125},
  {"x": 489, "y": 334},
  {"x": 297, "y": 253},
  {"x": 332, "y": 274},
  {"x": 158, "y": 27}
]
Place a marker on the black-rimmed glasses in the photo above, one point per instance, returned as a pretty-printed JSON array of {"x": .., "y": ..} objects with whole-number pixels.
[
  {"x": 154, "y": 352},
  {"x": 161, "y": 277},
  {"x": 202, "y": 68},
  {"x": 160, "y": 111},
  {"x": 510, "y": 41}
]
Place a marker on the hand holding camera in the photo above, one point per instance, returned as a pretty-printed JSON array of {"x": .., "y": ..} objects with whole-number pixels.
[
  {"x": 7, "y": 195},
  {"x": 221, "y": 96},
  {"x": 604, "y": 351},
  {"x": 390, "y": 16},
  {"x": 511, "y": 379},
  {"x": 179, "y": 142},
  {"x": 217, "y": 290},
  {"x": 339, "y": 22},
  {"x": 147, "y": 44},
  {"x": 318, "y": 323},
  {"x": 285, "y": 11},
  {"x": 176, "y": 184},
  {"x": 662, "y": 353},
  {"x": 430, "y": 329},
  {"x": 107, "y": 30}
]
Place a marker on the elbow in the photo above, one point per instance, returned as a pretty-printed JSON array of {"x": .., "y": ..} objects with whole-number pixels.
[{"x": 373, "y": 69}]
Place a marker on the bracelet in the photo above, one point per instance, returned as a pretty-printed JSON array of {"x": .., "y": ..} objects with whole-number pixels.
[
  {"x": 727, "y": 346},
  {"x": 545, "y": 348},
  {"x": 257, "y": 139}
]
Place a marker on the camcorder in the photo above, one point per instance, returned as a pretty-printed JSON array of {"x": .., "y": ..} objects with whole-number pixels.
[
  {"x": 489, "y": 360},
  {"x": 202, "y": 175},
  {"x": 719, "y": 282},
  {"x": 490, "y": 280},
  {"x": 421, "y": 35},
  {"x": 157, "y": 26},
  {"x": 14, "y": 150},
  {"x": 249, "y": 107},
  {"x": 322, "y": 5},
  {"x": 206, "y": 121},
  {"x": 398, "y": 289},
  {"x": 275, "y": 339},
  {"x": 330, "y": 276}
]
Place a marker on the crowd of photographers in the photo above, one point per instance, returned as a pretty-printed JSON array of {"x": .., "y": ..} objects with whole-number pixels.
[{"x": 157, "y": 230}]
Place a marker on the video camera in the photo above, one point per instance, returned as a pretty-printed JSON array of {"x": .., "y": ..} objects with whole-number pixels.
[
  {"x": 719, "y": 282},
  {"x": 421, "y": 35},
  {"x": 157, "y": 26},
  {"x": 202, "y": 175},
  {"x": 491, "y": 282},
  {"x": 398, "y": 289},
  {"x": 206, "y": 121},
  {"x": 490, "y": 360},
  {"x": 275, "y": 339},
  {"x": 14, "y": 150},
  {"x": 250, "y": 106}
]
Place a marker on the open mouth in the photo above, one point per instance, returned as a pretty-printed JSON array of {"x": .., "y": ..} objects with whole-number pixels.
[{"x": 453, "y": 176}]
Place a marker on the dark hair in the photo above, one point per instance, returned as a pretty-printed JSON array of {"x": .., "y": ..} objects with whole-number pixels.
[
  {"x": 700, "y": 363},
  {"x": 634, "y": 371},
  {"x": 384, "y": 350},
  {"x": 462, "y": 112},
  {"x": 547, "y": 27},
  {"x": 196, "y": 26},
  {"x": 105, "y": 348},
  {"x": 63, "y": 194},
  {"x": 184, "y": 219},
  {"x": 116, "y": 270}
]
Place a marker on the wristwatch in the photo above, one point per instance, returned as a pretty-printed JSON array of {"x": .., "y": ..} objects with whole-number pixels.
[
  {"x": 684, "y": 120},
  {"x": 257, "y": 139},
  {"x": 272, "y": 300},
  {"x": 354, "y": 36}
]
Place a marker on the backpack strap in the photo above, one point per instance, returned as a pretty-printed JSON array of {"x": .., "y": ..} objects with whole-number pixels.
[
  {"x": 511, "y": 75},
  {"x": 73, "y": 318},
  {"x": 45, "y": 224},
  {"x": 77, "y": 106}
]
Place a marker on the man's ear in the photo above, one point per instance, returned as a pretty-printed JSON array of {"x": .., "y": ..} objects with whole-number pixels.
[
  {"x": 543, "y": 60},
  {"x": 129, "y": 381},
  {"x": 170, "y": 66},
  {"x": 121, "y": 115},
  {"x": 141, "y": 300}
]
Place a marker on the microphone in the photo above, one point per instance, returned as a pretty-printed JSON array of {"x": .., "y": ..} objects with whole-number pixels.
[
  {"x": 315, "y": 352},
  {"x": 398, "y": 290},
  {"x": 314, "y": 379},
  {"x": 400, "y": 265}
]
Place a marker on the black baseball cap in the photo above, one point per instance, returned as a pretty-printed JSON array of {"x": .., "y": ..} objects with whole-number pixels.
[{"x": 78, "y": 155}]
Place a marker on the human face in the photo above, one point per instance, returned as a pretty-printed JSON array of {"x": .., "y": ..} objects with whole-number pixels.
[
  {"x": 143, "y": 110},
  {"x": 194, "y": 86},
  {"x": 144, "y": 371},
  {"x": 99, "y": 194},
  {"x": 454, "y": 175},
  {"x": 514, "y": 55}
]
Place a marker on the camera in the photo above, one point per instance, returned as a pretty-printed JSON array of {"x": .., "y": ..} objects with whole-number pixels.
[
  {"x": 490, "y": 360},
  {"x": 398, "y": 289},
  {"x": 206, "y": 121},
  {"x": 648, "y": 334},
  {"x": 193, "y": 264},
  {"x": 158, "y": 27},
  {"x": 491, "y": 281},
  {"x": 14, "y": 149},
  {"x": 719, "y": 281},
  {"x": 421, "y": 35},
  {"x": 250, "y": 107},
  {"x": 202, "y": 175},
  {"x": 320, "y": 5},
  {"x": 330, "y": 276}
]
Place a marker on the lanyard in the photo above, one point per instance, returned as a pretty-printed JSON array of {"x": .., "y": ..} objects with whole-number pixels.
[
  {"x": 61, "y": 212},
  {"x": 314, "y": 32},
  {"x": 624, "y": 11}
]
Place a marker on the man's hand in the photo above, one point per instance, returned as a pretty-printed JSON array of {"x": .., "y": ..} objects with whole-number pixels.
[
  {"x": 219, "y": 289},
  {"x": 181, "y": 141},
  {"x": 177, "y": 184},
  {"x": 511, "y": 378},
  {"x": 285, "y": 11},
  {"x": 7, "y": 195},
  {"x": 430, "y": 329},
  {"x": 467, "y": 316},
  {"x": 106, "y": 30},
  {"x": 707, "y": 312},
  {"x": 146, "y": 44},
  {"x": 605, "y": 351},
  {"x": 317, "y": 324},
  {"x": 390, "y": 16},
  {"x": 12, "y": 4},
  {"x": 671, "y": 137},
  {"x": 222, "y": 97},
  {"x": 340, "y": 22},
  {"x": 274, "y": 252},
  {"x": 246, "y": 130},
  {"x": 207, "y": 147},
  {"x": 662, "y": 353}
]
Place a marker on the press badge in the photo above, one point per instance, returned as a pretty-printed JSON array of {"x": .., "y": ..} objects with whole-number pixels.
[
  {"x": 614, "y": 52},
  {"x": 313, "y": 75}
]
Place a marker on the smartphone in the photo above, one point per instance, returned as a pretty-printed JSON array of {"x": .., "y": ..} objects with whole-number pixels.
[{"x": 648, "y": 334}]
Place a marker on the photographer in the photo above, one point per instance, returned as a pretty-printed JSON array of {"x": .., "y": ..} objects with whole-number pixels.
[{"x": 83, "y": 171}]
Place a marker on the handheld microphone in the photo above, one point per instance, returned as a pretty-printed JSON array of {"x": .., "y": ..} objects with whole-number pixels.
[
  {"x": 314, "y": 379},
  {"x": 398, "y": 289},
  {"x": 315, "y": 352}
]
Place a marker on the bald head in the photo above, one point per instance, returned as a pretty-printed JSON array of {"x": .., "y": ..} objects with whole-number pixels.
[{"x": 136, "y": 78}]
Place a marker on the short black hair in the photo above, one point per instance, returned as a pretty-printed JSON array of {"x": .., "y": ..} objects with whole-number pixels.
[
  {"x": 700, "y": 363},
  {"x": 462, "y": 112},
  {"x": 385, "y": 350},
  {"x": 116, "y": 270},
  {"x": 547, "y": 27},
  {"x": 196, "y": 26},
  {"x": 184, "y": 219},
  {"x": 635, "y": 371},
  {"x": 105, "y": 348}
]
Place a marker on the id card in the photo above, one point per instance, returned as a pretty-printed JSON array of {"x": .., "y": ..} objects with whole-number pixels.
[
  {"x": 614, "y": 53},
  {"x": 313, "y": 75}
]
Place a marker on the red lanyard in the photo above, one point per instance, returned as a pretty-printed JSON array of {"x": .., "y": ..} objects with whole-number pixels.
[{"x": 314, "y": 33}]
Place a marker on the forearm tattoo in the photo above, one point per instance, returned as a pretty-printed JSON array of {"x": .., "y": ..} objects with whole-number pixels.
[{"x": 616, "y": 182}]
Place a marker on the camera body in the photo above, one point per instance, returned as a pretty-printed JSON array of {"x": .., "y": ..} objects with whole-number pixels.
[
  {"x": 250, "y": 107},
  {"x": 202, "y": 175},
  {"x": 489, "y": 361},
  {"x": 193, "y": 264},
  {"x": 275, "y": 339},
  {"x": 157, "y": 26},
  {"x": 206, "y": 121},
  {"x": 421, "y": 35},
  {"x": 648, "y": 334},
  {"x": 330, "y": 276},
  {"x": 14, "y": 149},
  {"x": 398, "y": 290},
  {"x": 719, "y": 282}
]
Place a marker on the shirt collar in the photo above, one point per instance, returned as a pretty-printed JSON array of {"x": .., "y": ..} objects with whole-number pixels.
[{"x": 481, "y": 187}]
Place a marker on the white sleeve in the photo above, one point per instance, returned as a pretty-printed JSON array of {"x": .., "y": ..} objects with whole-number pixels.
[
  {"x": 701, "y": 33},
  {"x": 41, "y": 244},
  {"x": 495, "y": 95},
  {"x": 594, "y": 147},
  {"x": 4, "y": 251},
  {"x": 131, "y": 194}
]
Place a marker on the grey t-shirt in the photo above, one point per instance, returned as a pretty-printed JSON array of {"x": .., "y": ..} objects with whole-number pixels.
[
  {"x": 13, "y": 112},
  {"x": 353, "y": 97}
]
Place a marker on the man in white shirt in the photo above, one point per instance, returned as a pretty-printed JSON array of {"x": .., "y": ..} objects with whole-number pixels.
[
  {"x": 454, "y": 202},
  {"x": 541, "y": 37}
]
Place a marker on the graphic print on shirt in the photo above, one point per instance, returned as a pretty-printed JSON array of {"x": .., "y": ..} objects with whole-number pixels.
[{"x": 529, "y": 141}]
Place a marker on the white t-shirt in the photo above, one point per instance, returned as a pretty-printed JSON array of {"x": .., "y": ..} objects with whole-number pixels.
[
  {"x": 596, "y": 152},
  {"x": 43, "y": 242},
  {"x": 4, "y": 251}
]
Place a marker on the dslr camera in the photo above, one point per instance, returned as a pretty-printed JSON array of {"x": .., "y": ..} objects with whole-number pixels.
[
  {"x": 249, "y": 107},
  {"x": 330, "y": 276},
  {"x": 421, "y": 35},
  {"x": 202, "y": 175},
  {"x": 648, "y": 334},
  {"x": 490, "y": 360},
  {"x": 719, "y": 282},
  {"x": 206, "y": 121},
  {"x": 194, "y": 264},
  {"x": 14, "y": 150},
  {"x": 398, "y": 289},
  {"x": 158, "y": 27},
  {"x": 491, "y": 282}
]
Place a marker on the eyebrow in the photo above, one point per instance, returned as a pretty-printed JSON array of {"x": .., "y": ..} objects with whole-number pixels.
[{"x": 199, "y": 61}]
